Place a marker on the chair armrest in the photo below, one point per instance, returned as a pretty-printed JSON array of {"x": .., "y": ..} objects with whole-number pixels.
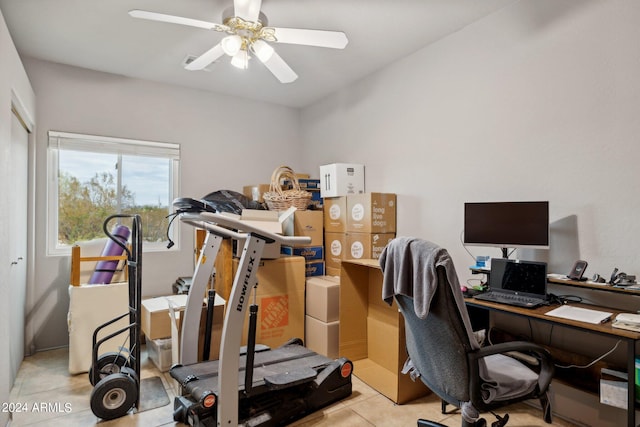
[{"x": 546, "y": 361}]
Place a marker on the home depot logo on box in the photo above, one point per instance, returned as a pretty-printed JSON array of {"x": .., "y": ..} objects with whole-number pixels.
[{"x": 275, "y": 314}]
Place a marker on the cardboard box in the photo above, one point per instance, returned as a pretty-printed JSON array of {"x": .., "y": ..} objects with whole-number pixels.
[
  {"x": 366, "y": 245},
  {"x": 309, "y": 253},
  {"x": 323, "y": 298},
  {"x": 316, "y": 198},
  {"x": 341, "y": 179},
  {"x": 155, "y": 315},
  {"x": 216, "y": 331},
  {"x": 309, "y": 184},
  {"x": 331, "y": 271},
  {"x": 306, "y": 223},
  {"x": 304, "y": 183},
  {"x": 314, "y": 268},
  {"x": 334, "y": 246},
  {"x": 280, "y": 296},
  {"x": 372, "y": 333},
  {"x": 371, "y": 213},
  {"x": 271, "y": 221},
  {"x": 335, "y": 214},
  {"x": 322, "y": 337},
  {"x": 255, "y": 192}
]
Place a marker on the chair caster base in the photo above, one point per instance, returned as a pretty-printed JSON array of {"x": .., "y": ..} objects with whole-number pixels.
[{"x": 427, "y": 423}]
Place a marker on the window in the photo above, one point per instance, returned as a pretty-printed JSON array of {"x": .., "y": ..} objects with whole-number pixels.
[{"x": 92, "y": 177}]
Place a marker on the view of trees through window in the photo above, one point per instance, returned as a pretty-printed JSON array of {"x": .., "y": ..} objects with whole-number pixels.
[
  {"x": 119, "y": 184},
  {"x": 93, "y": 177}
]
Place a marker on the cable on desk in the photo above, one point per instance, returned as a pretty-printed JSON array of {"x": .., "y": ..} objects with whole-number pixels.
[
  {"x": 476, "y": 280},
  {"x": 564, "y": 299},
  {"x": 592, "y": 362}
]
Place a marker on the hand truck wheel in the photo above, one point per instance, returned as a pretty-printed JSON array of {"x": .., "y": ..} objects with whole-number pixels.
[
  {"x": 130, "y": 372},
  {"x": 107, "y": 364},
  {"x": 114, "y": 396}
]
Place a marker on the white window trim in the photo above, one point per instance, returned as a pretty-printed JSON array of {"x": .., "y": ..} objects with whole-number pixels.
[{"x": 66, "y": 140}]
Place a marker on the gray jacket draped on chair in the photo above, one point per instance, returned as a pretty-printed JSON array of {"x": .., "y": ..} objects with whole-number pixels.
[{"x": 409, "y": 268}]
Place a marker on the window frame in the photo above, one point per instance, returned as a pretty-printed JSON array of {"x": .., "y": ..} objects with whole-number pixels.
[{"x": 108, "y": 145}]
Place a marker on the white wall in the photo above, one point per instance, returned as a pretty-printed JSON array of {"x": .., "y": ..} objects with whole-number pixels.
[
  {"x": 538, "y": 101},
  {"x": 14, "y": 88},
  {"x": 225, "y": 143}
]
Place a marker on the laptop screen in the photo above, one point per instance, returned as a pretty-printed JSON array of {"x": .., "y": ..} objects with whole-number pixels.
[{"x": 522, "y": 277}]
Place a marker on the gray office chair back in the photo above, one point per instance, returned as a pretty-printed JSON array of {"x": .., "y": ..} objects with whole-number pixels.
[
  {"x": 442, "y": 348},
  {"x": 438, "y": 344}
]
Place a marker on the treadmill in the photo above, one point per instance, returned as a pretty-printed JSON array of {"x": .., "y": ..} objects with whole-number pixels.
[{"x": 252, "y": 385}]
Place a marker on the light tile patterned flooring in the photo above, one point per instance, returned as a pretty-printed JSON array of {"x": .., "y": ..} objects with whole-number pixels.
[{"x": 44, "y": 377}]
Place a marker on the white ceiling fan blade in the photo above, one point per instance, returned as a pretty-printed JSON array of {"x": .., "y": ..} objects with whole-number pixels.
[
  {"x": 205, "y": 59},
  {"x": 280, "y": 69},
  {"x": 320, "y": 38},
  {"x": 249, "y": 10},
  {"x": 172, "y": 19}
]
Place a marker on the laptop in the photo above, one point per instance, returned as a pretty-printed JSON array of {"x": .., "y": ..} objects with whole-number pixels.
[{"x": 516, "y": 282}]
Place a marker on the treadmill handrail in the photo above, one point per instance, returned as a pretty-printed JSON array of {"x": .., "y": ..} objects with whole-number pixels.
[{"x": 223, "y": 225}]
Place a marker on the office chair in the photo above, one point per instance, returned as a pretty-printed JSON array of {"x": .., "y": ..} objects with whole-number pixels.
[{"x": 443, "y": 351}]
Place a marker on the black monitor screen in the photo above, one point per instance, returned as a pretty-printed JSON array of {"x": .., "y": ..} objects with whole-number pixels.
[{"x": 507, "y": 224}]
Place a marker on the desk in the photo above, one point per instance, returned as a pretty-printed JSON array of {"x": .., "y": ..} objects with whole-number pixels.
[{"x": 538, "y": 314}]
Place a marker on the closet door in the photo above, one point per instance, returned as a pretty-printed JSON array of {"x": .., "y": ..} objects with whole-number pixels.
[{"x": 18, "y": 243}]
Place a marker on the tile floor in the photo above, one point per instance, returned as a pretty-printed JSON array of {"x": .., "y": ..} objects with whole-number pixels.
[{"x": 44, "y": 377}]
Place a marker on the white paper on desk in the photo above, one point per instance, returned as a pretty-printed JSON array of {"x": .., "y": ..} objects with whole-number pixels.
[{"x": 580, "y": 314}]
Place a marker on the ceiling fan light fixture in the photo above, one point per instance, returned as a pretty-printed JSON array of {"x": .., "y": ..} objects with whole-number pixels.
[
  {"x": 232, "y": 44},
  {"x": 241, "y": 60},
  {"x": 262, "y": 49}
]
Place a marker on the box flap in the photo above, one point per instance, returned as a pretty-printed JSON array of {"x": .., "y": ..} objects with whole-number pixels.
[
  {"x": 259, "y": 215},
  {"x": 161, "y": 303},
  {"x": 270, "y": 221}
]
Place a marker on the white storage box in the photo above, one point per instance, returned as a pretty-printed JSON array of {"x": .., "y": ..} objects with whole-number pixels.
[
  {"x": 159, "y": 351},
  {"x": 341, "y": 179},
  {"x": 89, "y": 307}
]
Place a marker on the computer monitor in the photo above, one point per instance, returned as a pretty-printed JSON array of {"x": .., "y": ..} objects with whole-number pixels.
[{"x": 507, "y": 225}]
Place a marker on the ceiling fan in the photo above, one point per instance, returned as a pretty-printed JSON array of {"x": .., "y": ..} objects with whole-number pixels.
[{"x": 247, "y": 32}]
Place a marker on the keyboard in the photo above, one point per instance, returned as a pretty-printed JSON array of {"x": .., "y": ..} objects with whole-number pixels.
[{"x": 510, "y": 299}]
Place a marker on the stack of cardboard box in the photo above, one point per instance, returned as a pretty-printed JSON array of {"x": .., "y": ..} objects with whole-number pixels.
[
  {"x": 156, "y": 324},
  {"x": 313, "y": 187},
  {"x": 357, "y": 226},
  {"x": 322, "y": 315},
  {"x": 307, "y": 223}
]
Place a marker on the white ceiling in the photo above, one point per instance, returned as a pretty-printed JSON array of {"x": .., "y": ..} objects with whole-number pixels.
[{"x": 100, "y": 35}]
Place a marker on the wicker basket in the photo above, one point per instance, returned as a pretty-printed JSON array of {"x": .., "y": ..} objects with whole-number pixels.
[{"x": 278, "y": 199}]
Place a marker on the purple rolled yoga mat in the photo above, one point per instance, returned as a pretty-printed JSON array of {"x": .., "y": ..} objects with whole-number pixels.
[{"x": 105, "y": 269}]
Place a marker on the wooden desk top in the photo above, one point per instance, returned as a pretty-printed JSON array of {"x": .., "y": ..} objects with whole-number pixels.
[{"x": 540, "y": 313}]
